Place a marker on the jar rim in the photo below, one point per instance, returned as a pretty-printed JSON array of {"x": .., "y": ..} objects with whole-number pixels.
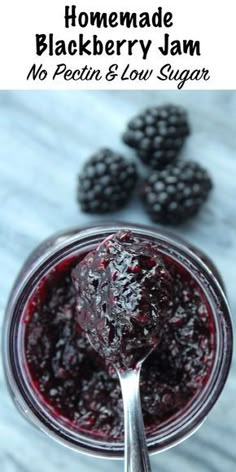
[{"x": 175, "y": 430}]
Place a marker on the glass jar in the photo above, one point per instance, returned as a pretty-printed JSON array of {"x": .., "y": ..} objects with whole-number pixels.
[{"x": 78, "y": 242}]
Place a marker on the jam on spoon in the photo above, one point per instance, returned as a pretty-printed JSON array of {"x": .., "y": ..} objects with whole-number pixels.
[
  {"x": 122, "y": 303},
  {"x": 123, "y": 297}
]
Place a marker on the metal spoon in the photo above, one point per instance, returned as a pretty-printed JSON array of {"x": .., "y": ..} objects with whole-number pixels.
[
  {"x": 110, "y": 329},
  {"x": 136, "y": 452}
]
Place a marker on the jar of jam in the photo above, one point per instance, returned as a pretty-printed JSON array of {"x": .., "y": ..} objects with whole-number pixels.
[{"x": 65, "y": 389}]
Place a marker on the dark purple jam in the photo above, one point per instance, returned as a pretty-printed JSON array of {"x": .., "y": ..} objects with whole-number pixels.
[
  {"x": 123, "y": 293},
  {"x": 75, "y": 384}
]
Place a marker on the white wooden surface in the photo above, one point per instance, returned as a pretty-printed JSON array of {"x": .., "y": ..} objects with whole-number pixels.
[{"x": 44, "y": 137}]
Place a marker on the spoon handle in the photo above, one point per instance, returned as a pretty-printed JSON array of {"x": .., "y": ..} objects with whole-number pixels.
[{"x": 136, "y": 452}]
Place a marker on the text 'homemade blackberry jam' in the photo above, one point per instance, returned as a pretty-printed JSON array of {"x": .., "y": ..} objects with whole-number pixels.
[{"x": 67, "y": 390}]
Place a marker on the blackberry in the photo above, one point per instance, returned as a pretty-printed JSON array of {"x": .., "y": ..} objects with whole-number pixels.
[
  {"x": 106, "y": 182},
  {"x": 158, "y": 134},
  {"x": 176, "y": 193}
]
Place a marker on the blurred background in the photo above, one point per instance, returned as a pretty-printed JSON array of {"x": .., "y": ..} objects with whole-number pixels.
[{"x": 44, "y": 139}]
